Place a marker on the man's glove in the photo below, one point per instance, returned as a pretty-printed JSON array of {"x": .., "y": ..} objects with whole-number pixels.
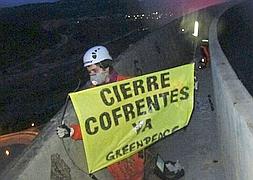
[{"x": 64, "y": 131}]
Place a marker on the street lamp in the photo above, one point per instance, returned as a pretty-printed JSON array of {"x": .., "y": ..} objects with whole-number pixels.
[{"x": 7, "y": 152}]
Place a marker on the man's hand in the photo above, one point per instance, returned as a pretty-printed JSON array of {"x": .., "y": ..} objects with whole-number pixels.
[{"x": 64, "y": 131}]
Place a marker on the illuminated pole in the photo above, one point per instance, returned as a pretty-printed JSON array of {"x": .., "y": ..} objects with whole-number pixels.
[{"x": 195, "y": 34}]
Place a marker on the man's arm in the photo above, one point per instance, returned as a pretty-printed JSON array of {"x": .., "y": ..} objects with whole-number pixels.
[{"x": 77, "y": 135}]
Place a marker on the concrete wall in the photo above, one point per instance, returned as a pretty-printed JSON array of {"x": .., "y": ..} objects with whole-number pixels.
[
  {"x": 234, "y": 112},
  {"x": 159, "y": 50}
]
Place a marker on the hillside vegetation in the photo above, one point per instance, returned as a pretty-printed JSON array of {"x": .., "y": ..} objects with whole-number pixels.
[{"x": 41, "y": 52}]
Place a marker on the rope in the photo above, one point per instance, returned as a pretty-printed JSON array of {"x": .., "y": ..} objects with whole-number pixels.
[{"x": 64, "y": 145}]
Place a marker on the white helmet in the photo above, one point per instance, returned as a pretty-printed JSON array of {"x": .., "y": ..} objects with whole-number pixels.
[{"x": 95, "y": 55}]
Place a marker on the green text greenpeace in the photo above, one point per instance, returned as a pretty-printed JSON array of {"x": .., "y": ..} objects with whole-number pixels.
[{"x": 128, "y": 148}]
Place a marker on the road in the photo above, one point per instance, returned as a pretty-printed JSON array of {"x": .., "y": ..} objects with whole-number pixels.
[
  {"x": 14, "y": 150},
  {"x": 15, "y": 144},
  {"x": 22, "y": 137}
]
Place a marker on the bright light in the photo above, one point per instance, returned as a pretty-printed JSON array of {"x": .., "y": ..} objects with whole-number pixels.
[
  {"x": 204, "y": 40},
  {"x": 143, "y": 15},
  {"x": 33, "y": 124},
  {"x": 7, "y": 152},
  {"x": 129, "y": 16},
  {"x": 182, "y": 30},
  {"x": 196, "y": 29}
]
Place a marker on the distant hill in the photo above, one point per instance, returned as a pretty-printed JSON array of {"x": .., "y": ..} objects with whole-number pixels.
[
  {"x": 68, "y": 8},
  {"x": 40, "y": 45},
  {"x": 3, "y": 5},
  {"x": 21, "y": 25},
  {"x": 11, "y": 3}
]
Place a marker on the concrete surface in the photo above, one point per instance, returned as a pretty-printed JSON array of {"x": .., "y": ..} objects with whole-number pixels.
[
  {"x": 234, "y": 114},
  {"x": 196, "y": 147}
]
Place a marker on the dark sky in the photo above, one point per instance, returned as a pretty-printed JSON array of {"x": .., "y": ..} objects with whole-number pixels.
[
  {"x": 165, "y": 4},
  {"x": 180, "y": 5},
  {"x": 5, "y": 3}
]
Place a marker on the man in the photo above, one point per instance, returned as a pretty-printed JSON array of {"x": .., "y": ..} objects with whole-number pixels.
[{"x": 98, "y": 62}]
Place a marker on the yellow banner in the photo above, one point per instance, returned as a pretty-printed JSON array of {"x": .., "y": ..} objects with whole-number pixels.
[{"x": 119, "y": 119}]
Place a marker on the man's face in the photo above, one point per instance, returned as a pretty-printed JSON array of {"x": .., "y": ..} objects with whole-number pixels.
[
  {"x": 94, "y": 69},
  {"x": 98, "y": 75}
]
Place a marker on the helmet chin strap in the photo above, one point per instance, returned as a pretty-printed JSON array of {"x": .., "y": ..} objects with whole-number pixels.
[{"x": 105, "y": 68}]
